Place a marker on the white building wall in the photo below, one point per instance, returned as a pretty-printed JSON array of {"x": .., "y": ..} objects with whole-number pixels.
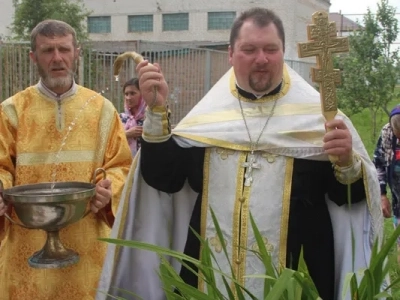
[
  {"x": 6, "y": 17},
  {"x": 295, "y": 14}
]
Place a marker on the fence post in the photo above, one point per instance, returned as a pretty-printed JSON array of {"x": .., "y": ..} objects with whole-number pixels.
[
  {"x": 207, "y": 72},
  {"x": 81, "y": 70}
]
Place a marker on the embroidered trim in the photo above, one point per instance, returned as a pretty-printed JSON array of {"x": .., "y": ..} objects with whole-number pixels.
[
  {"x": 350, "y": 173},
  {"x": 240, "y": 224},
  {"x": 105, "y": 125},
  {"x": 285, "y": 212},
  {"x": 204, "y": 208},
  {"x": 157, "y": 127},
  {"x": 10, "y": 111}
]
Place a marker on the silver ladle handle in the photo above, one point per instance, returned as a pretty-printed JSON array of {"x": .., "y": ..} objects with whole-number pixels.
[
  {"x": 6, "y": 214},
  {"x": 97, "y": 171}
]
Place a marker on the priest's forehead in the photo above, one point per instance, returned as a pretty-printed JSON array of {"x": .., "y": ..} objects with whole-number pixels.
[
  {"x": 262, "y": 17},
  {"x": 56, "y": 42}
]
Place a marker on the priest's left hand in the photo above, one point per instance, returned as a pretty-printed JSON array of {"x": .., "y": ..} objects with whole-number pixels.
[
  {"x": 338, "y": 142},
  {"x": 103, "y": 195}
]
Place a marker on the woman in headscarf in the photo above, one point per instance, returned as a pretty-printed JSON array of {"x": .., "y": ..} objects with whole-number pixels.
[{"x": 133, "y": 116}]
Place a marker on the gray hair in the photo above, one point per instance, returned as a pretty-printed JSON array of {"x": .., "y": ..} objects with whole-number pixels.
[{"x": 51, "y": 28}]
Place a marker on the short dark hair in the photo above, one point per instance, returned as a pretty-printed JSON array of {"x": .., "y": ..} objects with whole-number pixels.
[
  {"x": 51, "y": 28},
  {"x": 132, "y": 81},
  {"x": 262, "y": 17}
]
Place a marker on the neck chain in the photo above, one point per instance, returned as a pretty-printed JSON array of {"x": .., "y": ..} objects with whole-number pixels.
[
  {"x": 251, "y": 162},
  {"x": 253, "y": 145}
]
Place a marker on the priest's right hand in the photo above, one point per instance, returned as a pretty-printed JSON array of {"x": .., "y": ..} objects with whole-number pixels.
[
  {"x": 152, "y": 84},
  {"x": 3, "y": 207}
]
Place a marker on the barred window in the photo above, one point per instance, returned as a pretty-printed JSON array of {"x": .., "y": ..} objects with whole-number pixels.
[
  {"x": 99, "y": 24},
  {"x": 140, "y": 23},
  {"x": 221, "y": 20},
  {"x": 175, "y": 22}
]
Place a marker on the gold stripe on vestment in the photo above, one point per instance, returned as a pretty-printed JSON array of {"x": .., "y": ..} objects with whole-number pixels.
[
  {"x": 32, "y": 159},
  {"x": 240, "y": 224},
  {"x": 204, "y": 207},
  {"x": 106, "y": 121},
  {"x": 287, "y": 189},
  {"x": 127, "y": 188},
  {"x": 310, "y": 137},
  {"x": 283, "y": 110},
  {"x": 11, "y": 113},
  {"x": 367, "y": 192}
]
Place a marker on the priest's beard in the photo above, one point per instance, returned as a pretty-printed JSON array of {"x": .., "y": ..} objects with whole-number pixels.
[
  {"x": 56, "y": 82},
  {"x": 260, "y": 85}
]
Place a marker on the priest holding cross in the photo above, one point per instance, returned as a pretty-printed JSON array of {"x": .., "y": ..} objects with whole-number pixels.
[{"x": 257, "y": 144}]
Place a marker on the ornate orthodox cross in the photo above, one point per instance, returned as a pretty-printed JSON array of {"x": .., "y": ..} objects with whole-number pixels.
[
  {"x": 250, "y": 164},
  {"x": 323, "y": 43}
]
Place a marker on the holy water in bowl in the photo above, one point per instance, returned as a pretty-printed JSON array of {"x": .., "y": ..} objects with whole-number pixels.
[{"x": 64, "y": 140}]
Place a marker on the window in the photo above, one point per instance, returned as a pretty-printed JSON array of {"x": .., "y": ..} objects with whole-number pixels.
[
  {"x": 143, "y": 23},
  {"x": 99, "y": 24},
  {"x": 220, "y": 20},
  {"x": 175, "y": 22}
]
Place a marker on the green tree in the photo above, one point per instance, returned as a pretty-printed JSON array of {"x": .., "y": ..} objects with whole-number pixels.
[
  {"x": 371, "y": 69},
  {"x": 28, "y": 13}
]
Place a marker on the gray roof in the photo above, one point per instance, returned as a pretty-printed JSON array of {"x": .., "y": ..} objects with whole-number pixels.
[{"x": 343, "y": 23}]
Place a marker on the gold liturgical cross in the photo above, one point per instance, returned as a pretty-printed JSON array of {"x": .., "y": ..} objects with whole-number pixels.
[{"x": 323, "y": 43}]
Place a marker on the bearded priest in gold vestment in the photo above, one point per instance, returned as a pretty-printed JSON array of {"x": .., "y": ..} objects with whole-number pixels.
[{"x": 34, "y": 124}]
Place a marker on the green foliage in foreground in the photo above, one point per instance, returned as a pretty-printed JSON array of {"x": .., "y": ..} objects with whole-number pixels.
[{"x": 283, "y": 284}]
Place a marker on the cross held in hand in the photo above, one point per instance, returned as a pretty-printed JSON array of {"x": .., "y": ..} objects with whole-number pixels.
[
  {"x": 323, "y": 43},
  {"x": 250, "y": 164}
]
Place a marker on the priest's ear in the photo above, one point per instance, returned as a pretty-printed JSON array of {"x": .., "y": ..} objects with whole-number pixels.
[
  {"x": 32, "y": 56},
  {"x": 78, "y": 51}
]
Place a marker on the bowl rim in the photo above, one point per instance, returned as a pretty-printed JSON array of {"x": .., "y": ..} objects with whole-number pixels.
[{"x": 14, "y": 194}]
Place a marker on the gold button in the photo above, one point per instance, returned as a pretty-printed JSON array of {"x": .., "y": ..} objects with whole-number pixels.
[
  {"x": 242, "y": 199},
  {"x": 238, "y": 261}
]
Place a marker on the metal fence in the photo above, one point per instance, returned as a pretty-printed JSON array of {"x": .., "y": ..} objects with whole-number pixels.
[{"x": 190, "y": 72}]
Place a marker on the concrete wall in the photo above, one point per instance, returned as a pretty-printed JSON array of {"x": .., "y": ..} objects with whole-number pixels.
[
  {"x": 6, "y": 17},
  {"x": 295, "y": 14}
]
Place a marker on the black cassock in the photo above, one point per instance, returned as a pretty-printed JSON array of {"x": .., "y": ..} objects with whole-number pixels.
[{"x": 166, "y": 166}]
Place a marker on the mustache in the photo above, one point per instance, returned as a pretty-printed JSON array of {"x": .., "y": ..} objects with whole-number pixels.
[
  {"x": 260, "y": 69},
  {"x": 57, "y": 66}
]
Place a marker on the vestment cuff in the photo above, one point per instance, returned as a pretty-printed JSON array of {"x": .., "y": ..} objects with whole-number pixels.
[
  {"x": 156, "y": 126},
  {"x": 350, "y": 173}
]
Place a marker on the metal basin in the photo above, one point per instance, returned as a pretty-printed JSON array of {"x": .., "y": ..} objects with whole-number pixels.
[
  {"x": 38, "y": 206},
  {"x": 51, "y": 207}
]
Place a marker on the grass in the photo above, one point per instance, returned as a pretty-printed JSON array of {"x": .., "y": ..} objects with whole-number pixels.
[{"x": 362, "y": 122}]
